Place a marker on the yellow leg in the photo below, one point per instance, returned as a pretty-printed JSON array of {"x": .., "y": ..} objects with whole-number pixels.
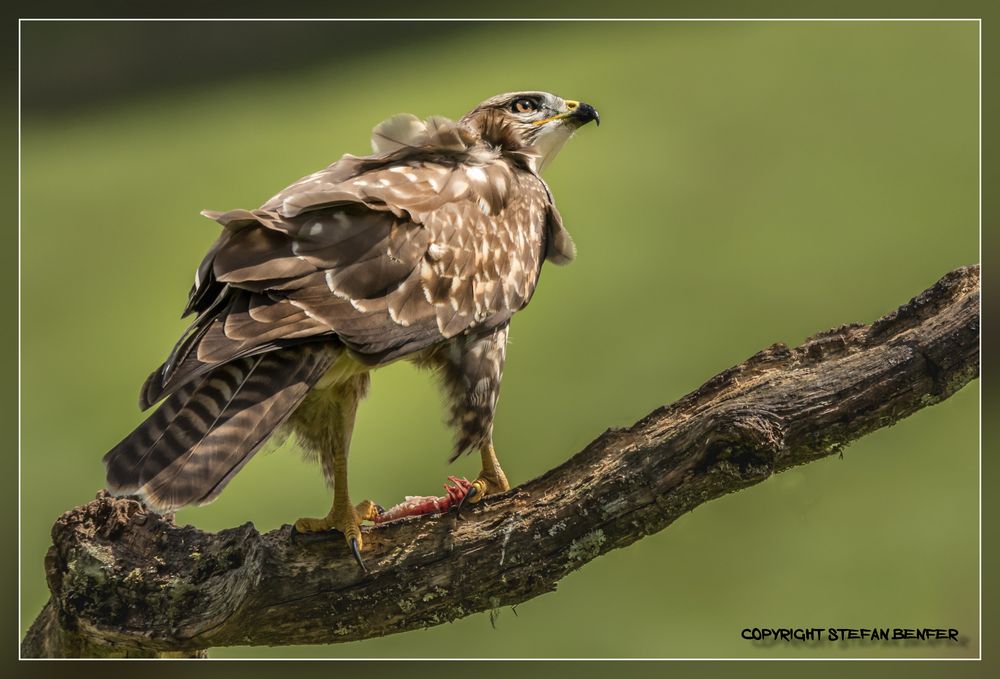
[
  {"x": 491, "y": 479},
  {"x": 343, "y": 516},
  {"x": 325, "y": 423}
]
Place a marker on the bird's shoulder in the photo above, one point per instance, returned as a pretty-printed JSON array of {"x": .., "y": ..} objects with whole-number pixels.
[{"x": 417, "y": 167}]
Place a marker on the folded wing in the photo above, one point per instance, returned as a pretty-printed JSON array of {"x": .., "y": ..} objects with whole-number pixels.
[{"x": 430, "y": 237}]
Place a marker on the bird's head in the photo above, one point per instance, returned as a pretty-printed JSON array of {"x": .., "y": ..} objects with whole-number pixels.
[{"x": 517, "y": 120}]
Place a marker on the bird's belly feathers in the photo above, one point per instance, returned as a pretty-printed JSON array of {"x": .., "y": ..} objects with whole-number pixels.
[{"x": 342, "y": 370}]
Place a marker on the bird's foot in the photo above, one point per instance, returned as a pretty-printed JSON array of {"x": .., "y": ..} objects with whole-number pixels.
[
  {"x": 346, "y": 519},
  {"x": 489, "y": 482}
]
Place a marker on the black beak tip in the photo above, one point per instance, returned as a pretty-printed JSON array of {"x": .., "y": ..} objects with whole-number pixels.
[{"x": 585, "y": 113}]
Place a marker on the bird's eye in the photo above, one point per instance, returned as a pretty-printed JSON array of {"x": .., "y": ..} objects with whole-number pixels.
[{"x": 524, "y": 106}]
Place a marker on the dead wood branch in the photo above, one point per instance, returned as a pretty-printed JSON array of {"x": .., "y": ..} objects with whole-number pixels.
[{"x": 125, "y": 581}]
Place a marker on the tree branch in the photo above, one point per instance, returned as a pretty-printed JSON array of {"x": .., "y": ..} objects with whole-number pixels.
[{"x": 126, "y": 581}]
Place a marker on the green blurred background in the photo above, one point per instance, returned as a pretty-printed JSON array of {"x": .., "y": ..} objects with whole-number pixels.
[{"x": 750, "y": 183}]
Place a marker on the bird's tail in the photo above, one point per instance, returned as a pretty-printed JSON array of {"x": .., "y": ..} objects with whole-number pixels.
[{"x": 196, "y": 441}]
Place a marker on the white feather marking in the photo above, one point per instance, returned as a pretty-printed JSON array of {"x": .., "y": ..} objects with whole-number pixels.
[
  {"x": 396, "y": 319},
  {"x": 481, "y": 392},
  {"x": 437, "y": 251}
]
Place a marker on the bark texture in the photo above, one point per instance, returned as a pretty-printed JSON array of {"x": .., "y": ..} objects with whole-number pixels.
[{"x": 126, "y": 581}]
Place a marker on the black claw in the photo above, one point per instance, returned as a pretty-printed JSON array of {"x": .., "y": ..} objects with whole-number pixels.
[
  {"x": 458, "y": 511},
  {"x": 357, "y": 555}
]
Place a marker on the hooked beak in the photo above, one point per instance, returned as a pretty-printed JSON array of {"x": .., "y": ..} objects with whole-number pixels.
[{"x": 577, "y": 111}]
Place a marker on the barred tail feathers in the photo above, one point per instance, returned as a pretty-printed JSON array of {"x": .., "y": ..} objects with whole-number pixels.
[{"x": 202, "y": 435}]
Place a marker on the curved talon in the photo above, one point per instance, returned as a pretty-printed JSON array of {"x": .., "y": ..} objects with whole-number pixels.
[
  {"x": 473, "y": 490},
  {"x": 357, "y": 554}
]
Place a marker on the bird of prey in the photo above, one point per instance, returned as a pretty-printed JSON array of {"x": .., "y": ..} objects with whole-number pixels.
[{"x": 421, "y": 251}]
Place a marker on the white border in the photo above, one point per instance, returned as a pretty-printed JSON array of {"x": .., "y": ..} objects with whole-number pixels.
[{"x": 978, "y": 21}]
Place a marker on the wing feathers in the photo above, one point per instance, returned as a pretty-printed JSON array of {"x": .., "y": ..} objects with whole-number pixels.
[{"x": 430, "y": 238}]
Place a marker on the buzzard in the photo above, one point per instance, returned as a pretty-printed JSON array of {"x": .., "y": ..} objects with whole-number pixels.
[{"x": 421, "y": 251}]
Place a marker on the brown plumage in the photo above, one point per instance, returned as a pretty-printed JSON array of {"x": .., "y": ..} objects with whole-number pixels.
[{"x": 422, "y": 250}]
